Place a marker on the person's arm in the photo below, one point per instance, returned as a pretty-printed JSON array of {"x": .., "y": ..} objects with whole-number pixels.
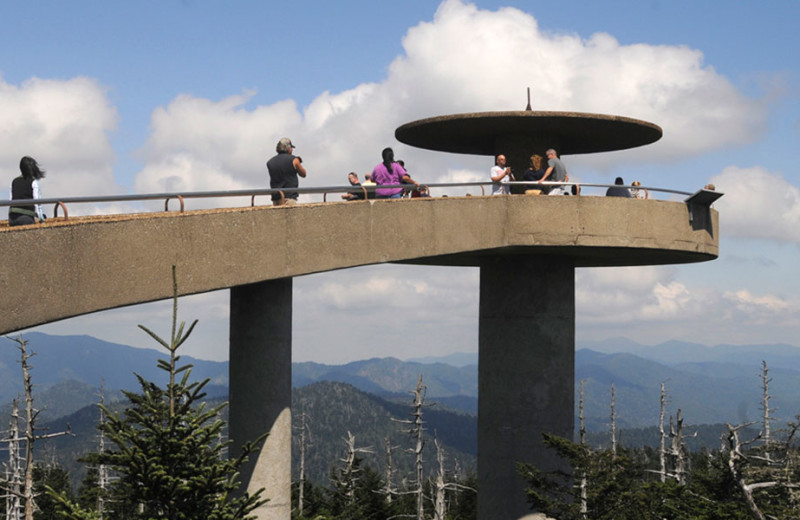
[
  {"x": 298, "y": 166},
  {"x": 546, "y": 174},
  {"x": 499, "y": 177},
  {"x": 407, "y": 178},
  {"x": 37, "y": 194}
]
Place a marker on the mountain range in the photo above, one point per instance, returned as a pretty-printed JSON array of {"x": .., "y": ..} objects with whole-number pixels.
[{"x": 709, "y": 384}]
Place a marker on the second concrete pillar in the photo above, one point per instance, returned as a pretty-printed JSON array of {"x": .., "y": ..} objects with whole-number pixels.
[{"x": 526, "y": 373}]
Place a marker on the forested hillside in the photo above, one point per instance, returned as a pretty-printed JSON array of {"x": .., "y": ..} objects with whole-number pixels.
[{"x": 333, "y": 410}]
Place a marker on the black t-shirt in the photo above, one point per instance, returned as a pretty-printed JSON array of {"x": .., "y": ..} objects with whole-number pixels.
[
  {"x": 282, "y": 175},
  {"x": 532, "y": 175},
  {"x": 22, "y": 188}
]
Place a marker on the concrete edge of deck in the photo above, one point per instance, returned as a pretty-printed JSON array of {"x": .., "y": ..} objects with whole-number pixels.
[{"x": 59, "y": 271}]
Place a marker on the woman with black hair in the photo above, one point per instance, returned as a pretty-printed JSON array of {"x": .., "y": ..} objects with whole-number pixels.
[{"x": 26, "y": 187}]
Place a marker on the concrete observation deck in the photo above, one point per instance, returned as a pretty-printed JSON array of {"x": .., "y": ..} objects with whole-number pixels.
[{"x": 61, "y": 270}]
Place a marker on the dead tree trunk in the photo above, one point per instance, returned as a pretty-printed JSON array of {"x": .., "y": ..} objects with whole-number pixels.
[
  {"x": 14, "y": 470},
  {"x": 348, "y": 476},
  {"x": 613, "y": 423},
  {"x": 418, "y": 434},
  {"x": 103, "y": 480},
  {"x": 302, "y": 477},
  {"x": 440, "y": 486},
  {"x": 583, "y": 482},
  {"x": 389, "y": 490},
  {"x": 663, "y": 448},
  {"x": 30, "y": 419},
  {"x": 677, "y": 449},
  {"x": 29, "y": 436},
  {"x": 765, "y": 380},
  {"x": 736, "y": 459}
]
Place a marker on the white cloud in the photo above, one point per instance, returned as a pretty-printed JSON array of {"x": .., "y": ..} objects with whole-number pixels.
[
  {"x": 65, "y": 126},
  {"x": 758, "y": 204},
  {"x": 465, "y": 60},
  {"x": 650, "y": 304}
]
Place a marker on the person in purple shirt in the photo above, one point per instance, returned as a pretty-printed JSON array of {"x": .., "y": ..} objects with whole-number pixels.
[{"x": 389, "y": 172}]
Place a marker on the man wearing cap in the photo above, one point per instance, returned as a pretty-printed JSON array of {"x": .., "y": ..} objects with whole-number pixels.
[
  {"x": 283, "y": 171},
  {"x": 556, "y": 172}
]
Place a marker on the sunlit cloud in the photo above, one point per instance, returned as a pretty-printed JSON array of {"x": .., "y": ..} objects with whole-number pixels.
[
  {"x": 228, "y": 143},
  {"x": 758, "y": 204},
  {"x": 65, "y": 125}
]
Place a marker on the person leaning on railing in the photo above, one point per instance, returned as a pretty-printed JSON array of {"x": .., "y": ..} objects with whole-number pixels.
[{"x": 26, "y": 187}]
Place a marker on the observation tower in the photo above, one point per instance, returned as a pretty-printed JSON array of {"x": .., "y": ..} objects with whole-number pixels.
[{"x": 526, "y": 368}]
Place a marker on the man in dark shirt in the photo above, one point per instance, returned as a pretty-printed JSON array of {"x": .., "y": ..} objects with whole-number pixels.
[
  {"x": 617, "y": 190},
  {"x": 283, "y": 171},
  {"x": 355, "y": 194}
]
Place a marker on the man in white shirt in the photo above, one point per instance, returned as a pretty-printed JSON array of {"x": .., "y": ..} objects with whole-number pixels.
[{"x": 501, "y": 174}]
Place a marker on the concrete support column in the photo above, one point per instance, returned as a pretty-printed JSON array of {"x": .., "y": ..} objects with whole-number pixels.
[
  {"x": 526, "y": 373},
  {"x": 261, "y": 389}
]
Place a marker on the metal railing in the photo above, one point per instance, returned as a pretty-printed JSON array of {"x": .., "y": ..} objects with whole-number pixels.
[{"x": 181, "y": 197}]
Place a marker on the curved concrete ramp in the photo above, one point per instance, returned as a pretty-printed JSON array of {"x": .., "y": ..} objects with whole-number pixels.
[{"x": 65, "y": 269}]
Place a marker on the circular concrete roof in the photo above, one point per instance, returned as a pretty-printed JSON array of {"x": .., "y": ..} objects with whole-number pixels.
[{"x": 484, "y": 133}]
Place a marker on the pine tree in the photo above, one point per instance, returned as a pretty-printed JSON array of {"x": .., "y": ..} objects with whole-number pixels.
[
  {"x": 49, "y": 476},
  {"x": 166, "y": 447}
]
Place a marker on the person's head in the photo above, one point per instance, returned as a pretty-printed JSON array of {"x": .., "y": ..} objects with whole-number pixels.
[
  {"x": 500, "y": 160},
  {"x": 710, "y": 187},
  {"x": 618, "y": 181},
  {"x": 353, "y": 178},
  {"x": 284, "y": 145},
  {"x": 551, "y": 154},
  {"x": 367, "y": 176},
  {"x": 636, "y": 183},
  {"x": 536, "y": 162},
  {"x": 402, "y": 163},
  {"x": 388, "y": 155},
  {"x": 30, "y": 169}
]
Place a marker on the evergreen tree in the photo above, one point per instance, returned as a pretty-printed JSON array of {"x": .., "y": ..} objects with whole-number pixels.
[
  {"x": 464, "y": 499},
  {"x": 620, "y": 487},
  {"x": 360, "y": 498},
  {"x": 49, "y": 476},
  {"x": 166, "y": 447}
]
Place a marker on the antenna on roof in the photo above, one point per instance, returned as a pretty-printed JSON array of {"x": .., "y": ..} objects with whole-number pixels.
[{"x": 529, "y": 100}]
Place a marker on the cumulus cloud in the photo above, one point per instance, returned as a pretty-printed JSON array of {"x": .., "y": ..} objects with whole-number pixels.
[
  {"x": 65, "y": 125},
  {"x": 758, "y": 204},
  {"x": 450, "y": 65},
  {"x": 646, "y": 303}
]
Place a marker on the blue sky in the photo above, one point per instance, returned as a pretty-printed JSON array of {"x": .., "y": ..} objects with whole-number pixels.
[{"x": 155, "y": 96}]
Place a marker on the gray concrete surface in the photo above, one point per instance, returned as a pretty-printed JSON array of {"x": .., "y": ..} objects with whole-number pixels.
[
  {"x": 60, "y": 270},
  {"x": 526, "y": 374},
  {"x": 261, "y": 390}
]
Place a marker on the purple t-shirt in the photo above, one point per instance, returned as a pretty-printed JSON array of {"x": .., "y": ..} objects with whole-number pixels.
[{"x": 380, "y": 175}]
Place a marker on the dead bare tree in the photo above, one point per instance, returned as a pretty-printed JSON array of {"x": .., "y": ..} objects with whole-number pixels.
[
  {"x": 347, "y": 477},
  {"x": 103, "y": 474},
  {"x": 677, "y": 449},
  {"x": 26, "y": 493},
  {"x": 305, "y": 439},
  {"x": 389, "y": 491},
  {"x": 13, "y": 482},
  {"x": 584, "y": 484},
  {"x": 736, "y": 460},
  {"x": 766, "y": 410},
  {"x": 663, "y": 448},
  {"x": 613, "y": 423},
  {"x": 417, "y": 432},
  {"x": 441, "y": 485}
]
